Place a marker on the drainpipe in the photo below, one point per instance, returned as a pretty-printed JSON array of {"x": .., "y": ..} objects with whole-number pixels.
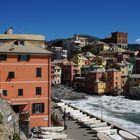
[{"x": 49, "y": 90}]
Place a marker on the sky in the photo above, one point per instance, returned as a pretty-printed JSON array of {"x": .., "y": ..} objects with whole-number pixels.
[{"x": 62, "y": 18}]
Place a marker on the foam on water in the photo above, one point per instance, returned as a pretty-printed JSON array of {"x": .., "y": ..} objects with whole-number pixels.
[{"x": 118, "y": 110}]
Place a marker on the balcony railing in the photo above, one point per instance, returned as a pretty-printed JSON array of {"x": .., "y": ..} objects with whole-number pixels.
[{"x": 24, "y": 116}]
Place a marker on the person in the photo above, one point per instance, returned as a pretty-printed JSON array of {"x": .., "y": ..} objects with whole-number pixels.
[
  {"x": 30, "y": 134},
  {"x": 69, "y": 117},
  {"x": 64, "y": 116}
]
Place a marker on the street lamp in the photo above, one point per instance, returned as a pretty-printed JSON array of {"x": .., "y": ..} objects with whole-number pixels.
[{"x": 101, "y": 108}]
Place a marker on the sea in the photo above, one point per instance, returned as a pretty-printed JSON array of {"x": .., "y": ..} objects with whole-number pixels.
[{"x": 118, "y": 110}]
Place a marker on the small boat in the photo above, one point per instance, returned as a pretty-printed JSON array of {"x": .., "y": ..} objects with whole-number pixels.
[
  {"x": 116, "y": 137},
  {"x": 88, "y": 124},
  {"x": 109, "y": 132},
  {"x": 51, "y": 129},
  {"x": 83, "y": 119},
  {"x": 54, "y": 136},
  {"x": 102, "y": 124},
  {"x": 100, "y": 128},
  {"x": 127, "y": 135},
  {"x": 102, "y": 136}
]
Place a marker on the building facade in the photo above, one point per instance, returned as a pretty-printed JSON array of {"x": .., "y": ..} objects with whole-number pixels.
[
  {"x": 25, "y": 81},
  {"x": 119, "y": 38},
  {"x": 55, "y": 74}
]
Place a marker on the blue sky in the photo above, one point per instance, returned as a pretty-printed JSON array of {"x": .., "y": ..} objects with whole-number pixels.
[{"x": 63, "y": 18}]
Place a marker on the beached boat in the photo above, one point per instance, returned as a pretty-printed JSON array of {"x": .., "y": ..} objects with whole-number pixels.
[
  {"x": 102, "y": 124},
  {"x": 127, "y": 136},
  {"x": 89, "y": 123},
  {"x": 83, "y": 119},
  {"x": 109, "y": 132},
  {"x": 53, "y": 136},
  {"x": 51, "y": 129},
  {"x": 102, "y": 136},
  {"x": 100, "y": 128},
  {"x": 116, "y": 137}
]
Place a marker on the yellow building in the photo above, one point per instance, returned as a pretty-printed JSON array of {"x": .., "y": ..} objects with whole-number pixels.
[
  {"x": 79, "y": 59},
  {"x": 99, "y": 87},
  {"x": 24, "y": 39},
  {"x": 99, "y": 60},
  {"x": 100, "y": 46},
  {"x": 124, "y": 73}
]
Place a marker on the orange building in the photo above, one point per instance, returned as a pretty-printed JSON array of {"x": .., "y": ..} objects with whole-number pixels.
[
  {"x": 113, "y": 81},
  {"x": 25, "y": 81}
]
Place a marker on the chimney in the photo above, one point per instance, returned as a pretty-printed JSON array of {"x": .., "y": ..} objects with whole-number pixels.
[{"x": 9, "y": 31}]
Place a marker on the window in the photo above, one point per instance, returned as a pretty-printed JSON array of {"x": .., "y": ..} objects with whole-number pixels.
[
  {"x": 4, "y": 92},
  {"x": 38, "y": 90},
  {"x": 37, "y": 108},
  {"x": 3, "y": 57},
  {"x": 38, "y": 72},
  {"x": 20, "y": 92},
  {"x": 23, "y": 57},
  {"x": 19, "y": 42},
  {"x": 11, "y": 75}
]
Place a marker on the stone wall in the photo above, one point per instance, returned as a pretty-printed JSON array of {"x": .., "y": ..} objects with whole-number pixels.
[{"x": 9, "y": 122}]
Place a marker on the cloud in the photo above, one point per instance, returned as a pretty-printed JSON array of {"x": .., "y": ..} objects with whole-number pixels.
[{"x": 138, "y": 41}]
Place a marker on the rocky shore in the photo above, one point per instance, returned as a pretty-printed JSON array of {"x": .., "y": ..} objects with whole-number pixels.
[{"x": 67, "y": 93}]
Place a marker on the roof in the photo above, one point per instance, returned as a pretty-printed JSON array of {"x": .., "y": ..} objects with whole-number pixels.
[
  {"x": 113, "y": 69},
  {"x": 22, "y": 37},
  {"x": 98, "y": 81},
  {"x": 101, "y": 57},
  {"x": 97, "y": 70},
  {"x": 59, "y": 61},
  {"x": 70, "y": 63},
  {"x": 121, "y": 64},
  {"x": 10, "y": 48},
  {"x": 82, "y": 78},
  {"x": 89, "y": 54},
  {"x": 134, "y": 76}
]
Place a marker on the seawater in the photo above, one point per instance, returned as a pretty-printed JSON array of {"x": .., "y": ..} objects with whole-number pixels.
[{"x": 117, "y": 110}]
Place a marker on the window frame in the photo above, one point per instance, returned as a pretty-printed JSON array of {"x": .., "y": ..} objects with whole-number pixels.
[
  {"x": 39, "y": 72},
  {"x": 4, "y": 93},
  {"x": 38, "y": 108},
  {"x": 38, "y": 90},
  {"x": 20, "y": 92},
  {"x": 3, "y": 57},
  {"x": 23, "y": 57},
  {"x": 11, "y": 75}
]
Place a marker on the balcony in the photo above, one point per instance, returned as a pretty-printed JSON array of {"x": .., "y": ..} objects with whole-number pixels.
[{"x": 24, "y": 116}]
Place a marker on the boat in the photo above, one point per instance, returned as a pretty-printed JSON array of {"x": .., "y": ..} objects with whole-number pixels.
[
  {"x": 102, "y": 136},
  {"x": 100, "y": 128},
  {"x": 127, "y": 135},
  {"x": 109, "y": 132},
  {"x": 53, "y": 136},
  {"x": 102, "y": 124},
  {"x": 116, "y": 137},
  {"x": 51, "y": 129}
]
